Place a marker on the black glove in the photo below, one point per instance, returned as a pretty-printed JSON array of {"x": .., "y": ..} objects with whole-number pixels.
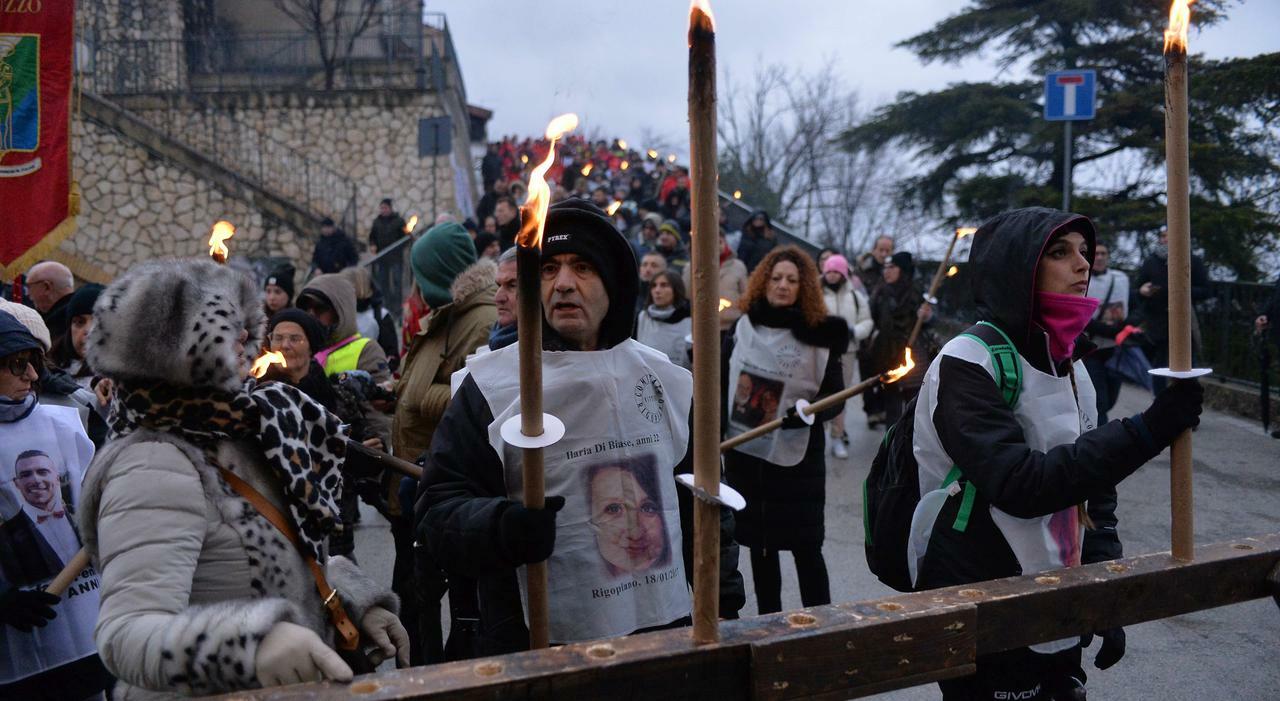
[
  {"x": 1112, "y": 650},
  {"x": 791, "y": 419},
  {"x": 1174, "y": 410},
  {"x": 529, "y": 535},
  {"x": 25, "y": 610}
]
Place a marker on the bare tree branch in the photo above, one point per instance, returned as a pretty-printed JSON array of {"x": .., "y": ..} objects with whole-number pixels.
[
  {"x": 778, "y": 145},
  {"x": 334, "y": 24}
]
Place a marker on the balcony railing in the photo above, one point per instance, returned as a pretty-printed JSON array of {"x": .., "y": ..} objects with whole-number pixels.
[{"x": 389, "y": 54}]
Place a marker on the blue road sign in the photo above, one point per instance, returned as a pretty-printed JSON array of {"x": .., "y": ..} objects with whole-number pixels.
[{"x": 1069, "y": 95}]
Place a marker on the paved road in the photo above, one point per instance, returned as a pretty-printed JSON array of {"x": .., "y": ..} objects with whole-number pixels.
[{"x": 1226, "y": 653}]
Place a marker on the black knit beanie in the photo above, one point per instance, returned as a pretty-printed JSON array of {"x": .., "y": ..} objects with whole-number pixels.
[
  {"x": 579, "y": 227},
  {"x": 903, "y": 260},
  {"x": 315, "y": 333},
  {"x": 282, "y": 277},
  {"x": 82, "y": 300}
]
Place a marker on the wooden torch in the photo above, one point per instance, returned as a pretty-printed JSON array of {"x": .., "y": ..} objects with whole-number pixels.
[
  {"x": 1177, "y": 166},
  {"x": 942, "y": 272},
  {"x": 805, "y": 410},
  {"x": 706, "y": 320},
  {"x": 533, "y": 217}
]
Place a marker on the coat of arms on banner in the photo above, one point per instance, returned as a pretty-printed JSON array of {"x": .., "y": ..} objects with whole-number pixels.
[{"x": 19, "y": 100}]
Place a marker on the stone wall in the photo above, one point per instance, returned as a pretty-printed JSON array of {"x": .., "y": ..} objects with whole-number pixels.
[
  {"x": 368, "y": 137},
  {"x": 137, "y": 205}
]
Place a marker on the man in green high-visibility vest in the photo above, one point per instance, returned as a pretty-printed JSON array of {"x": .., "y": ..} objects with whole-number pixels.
[{"x": 332, "y": 300}]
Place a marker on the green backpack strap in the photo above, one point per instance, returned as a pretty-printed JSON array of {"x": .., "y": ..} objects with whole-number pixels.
[
  {"x": 1004, "y": 359},
  {"x": 1008, "y": 367}
]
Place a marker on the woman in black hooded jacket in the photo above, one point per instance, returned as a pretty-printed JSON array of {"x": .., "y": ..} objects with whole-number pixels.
[
  {"x": 784, "y": 348},
  {"x": 1017, "y": 476}
]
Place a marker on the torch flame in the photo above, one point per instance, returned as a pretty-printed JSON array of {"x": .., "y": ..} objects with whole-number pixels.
[
  {"x": 535, "y": 208},
  {"x": 901, "y": 371},
  {"x": 222, "y": 230},
  {"x": 737, "y": 194},
  {"x": 613, "y": 208},
  {"x": 586, "y": 169},
  {"x": 624, "y": 165},
  {"x": 671, "y": 158},
  {"x": 1175, "y": 37},
  {"x": 409, "y": 225},
  {"x": 524, "y": 158},
  {"x": 265, "y": 361},
  {"x": 966, "y": 231},
  {"x": 725, "y": 304},
  {"x": 622, "y": 144},
  {"x": 700, "y": 18},
  {"x": 951, "y": 272},
  {"x": 653, "y": 154}
]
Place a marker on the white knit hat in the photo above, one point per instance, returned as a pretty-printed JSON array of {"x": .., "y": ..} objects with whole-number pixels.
[{"x": 29, "y": 318}]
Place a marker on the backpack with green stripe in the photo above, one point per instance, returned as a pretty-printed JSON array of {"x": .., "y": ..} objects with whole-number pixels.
[{"x": 892, "y": 488}]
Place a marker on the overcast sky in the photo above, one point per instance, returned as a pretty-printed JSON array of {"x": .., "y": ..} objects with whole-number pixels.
[{"x": 620, "y": 64}]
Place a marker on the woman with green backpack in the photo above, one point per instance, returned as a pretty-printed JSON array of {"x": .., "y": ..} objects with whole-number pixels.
[{"x": 1015, "y": 475}]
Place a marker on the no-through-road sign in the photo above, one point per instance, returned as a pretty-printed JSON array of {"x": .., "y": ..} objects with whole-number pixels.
[{"x": 1069, "y": 95}]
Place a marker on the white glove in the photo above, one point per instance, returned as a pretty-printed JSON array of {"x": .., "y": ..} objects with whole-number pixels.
[
  {"x": 291, "y": 654},
  {"x": 383, "y": 629}
]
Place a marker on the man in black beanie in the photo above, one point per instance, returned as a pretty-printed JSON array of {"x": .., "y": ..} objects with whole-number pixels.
[{"x": 626, "y": 412}]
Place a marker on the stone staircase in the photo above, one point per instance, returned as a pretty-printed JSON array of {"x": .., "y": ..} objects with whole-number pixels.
[
  {"x": 232, "y": 181},
  {"x": 133, "y": 87}
]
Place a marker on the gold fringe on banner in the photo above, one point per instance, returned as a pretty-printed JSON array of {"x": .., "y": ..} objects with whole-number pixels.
[{"x": 57, "y": 235}]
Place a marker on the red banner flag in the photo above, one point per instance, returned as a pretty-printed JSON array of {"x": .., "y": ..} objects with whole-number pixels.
[{"x": 37, "y": 205}]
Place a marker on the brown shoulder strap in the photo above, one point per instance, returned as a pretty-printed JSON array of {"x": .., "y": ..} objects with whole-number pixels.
[{"x": 348, "y": 635}]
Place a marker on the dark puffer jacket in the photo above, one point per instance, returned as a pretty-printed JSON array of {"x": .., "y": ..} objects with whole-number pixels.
[
  {"x": 753, "y": 247},
  {"x": 893, "y": 310},
  {"x": 786, "y": 505}
]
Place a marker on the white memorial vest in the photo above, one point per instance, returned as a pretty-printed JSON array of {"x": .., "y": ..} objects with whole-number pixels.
[
  {"x": 617, "y": 565},
  {"x": 1051, "y": 413},
  {"x": 768, "y": 371},
  {"x": 668, "y": 338},
  {"x": 56, "y": 432}
]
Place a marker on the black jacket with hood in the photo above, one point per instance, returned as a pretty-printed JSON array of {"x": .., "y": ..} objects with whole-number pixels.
[
  {"x": 753, "y": 247},
  {"x": 980, "y": 433},
  {"x": 463, "y": 495}
]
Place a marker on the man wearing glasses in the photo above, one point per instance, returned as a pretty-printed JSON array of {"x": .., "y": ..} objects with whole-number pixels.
[{"x": 50, "y": 285}]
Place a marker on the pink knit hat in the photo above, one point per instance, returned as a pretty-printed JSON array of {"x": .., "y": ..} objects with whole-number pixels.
[{"x": 838, "y": 264}]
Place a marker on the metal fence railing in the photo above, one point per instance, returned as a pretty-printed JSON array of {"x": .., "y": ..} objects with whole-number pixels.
[
  {"x": 395, "y": 51},
  {"x": 391, "y": 273}
]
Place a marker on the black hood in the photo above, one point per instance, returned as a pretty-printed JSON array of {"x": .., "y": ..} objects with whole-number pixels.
[
  {"x": 746, "y": 225},
  {"x": 1006, "y": 250}
]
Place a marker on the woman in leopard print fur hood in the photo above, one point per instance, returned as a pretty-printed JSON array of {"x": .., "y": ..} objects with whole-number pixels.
[{"x": 200, "y": 593}]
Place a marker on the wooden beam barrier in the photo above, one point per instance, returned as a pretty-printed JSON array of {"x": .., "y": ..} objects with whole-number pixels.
[{"x": 844, "y": 650}]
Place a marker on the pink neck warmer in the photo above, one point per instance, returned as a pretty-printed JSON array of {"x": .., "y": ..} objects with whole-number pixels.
[{"x": 1063, "y": 318}]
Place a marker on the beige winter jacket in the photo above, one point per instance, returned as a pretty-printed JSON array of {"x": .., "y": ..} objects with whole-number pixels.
[
  {"x": 733, "y": 284},
  {"x": 192, "y": 576},
  {"x": 450, "y": 334}
]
